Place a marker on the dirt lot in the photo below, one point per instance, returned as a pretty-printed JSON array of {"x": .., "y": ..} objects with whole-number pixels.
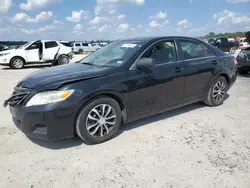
[{"x": 195, "y": 146}]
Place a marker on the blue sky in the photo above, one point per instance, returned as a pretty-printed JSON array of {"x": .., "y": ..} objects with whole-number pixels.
[{"x": 113, "y": 19}]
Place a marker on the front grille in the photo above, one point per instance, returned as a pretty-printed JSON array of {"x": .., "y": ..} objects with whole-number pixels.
[{"x": 16, "y": 99}]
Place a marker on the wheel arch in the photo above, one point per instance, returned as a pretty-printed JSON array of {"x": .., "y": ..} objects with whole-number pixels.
[
  {"x": 18, "y": 57},
  {"x": 226, "y": 76}
]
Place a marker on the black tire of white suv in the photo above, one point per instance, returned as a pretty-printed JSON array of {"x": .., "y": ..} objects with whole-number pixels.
[
  {"x": 62, "y": 60},
  {"x": 17, "y": 63}
]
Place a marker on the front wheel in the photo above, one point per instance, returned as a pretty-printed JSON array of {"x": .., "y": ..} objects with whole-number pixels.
[
  {"x": 99, "y": 120},
  {"x": 17, "y": 63},
  {"x": 232, "y": 50},
  {"x": 217, "y": 92}
]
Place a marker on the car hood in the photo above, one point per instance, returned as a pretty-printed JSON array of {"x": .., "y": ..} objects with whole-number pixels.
[
  {"x": 8, "y": 51},
  {"x": 52, "y": 78}
]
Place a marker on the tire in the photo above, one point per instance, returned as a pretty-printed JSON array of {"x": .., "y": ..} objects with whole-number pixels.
[
  {"x": 80, "y": 51},
  {"x": 62, "y": 60},
  {"x": 243, "y": 71},
  {"x": 232, "y": 50},
  {"x": 218, "y": 88},
  {"x": 17, "y": 63},
  {"x": 100, "y": 128}
]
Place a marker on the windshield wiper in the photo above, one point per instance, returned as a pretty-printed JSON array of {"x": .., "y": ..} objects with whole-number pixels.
[{"x": 87, "y": 63}]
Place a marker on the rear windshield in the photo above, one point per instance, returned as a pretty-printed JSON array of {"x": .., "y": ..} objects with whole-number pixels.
[{"x": 66, "y": 44}]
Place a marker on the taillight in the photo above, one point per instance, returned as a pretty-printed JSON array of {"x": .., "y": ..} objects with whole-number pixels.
[{"x": 241, "y": 44}]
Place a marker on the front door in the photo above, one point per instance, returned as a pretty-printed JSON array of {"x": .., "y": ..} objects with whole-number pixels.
[
  {"x": 51, "y": 48},
  {"x": 32, "y": 52},
  {"x": 199, "y": 66},
  {"x": 159, "y": 86}
]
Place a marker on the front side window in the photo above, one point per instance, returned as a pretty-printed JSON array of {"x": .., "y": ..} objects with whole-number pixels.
[
  {"x": 34, "y": 46},
  {"x": 66, "y": 44},
  {"x": 162, "y": 52},
  {"x": 115, "y": 54},
  {"x": 77, "y": 44},
  {"x": 193, "y": 49},
  {"x": 51, "y": 44}
]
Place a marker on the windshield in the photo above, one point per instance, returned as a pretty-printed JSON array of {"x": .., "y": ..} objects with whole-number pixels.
[
  {"x": 114, "y": 54},
  {"x": 25, "y": 45}
]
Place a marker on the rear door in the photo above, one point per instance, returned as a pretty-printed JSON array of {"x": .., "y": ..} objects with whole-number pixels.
[
  {"x": 158, "y": 86},
  {"x": 200, "y": 64},
  {"x": 50, "y": 50}
]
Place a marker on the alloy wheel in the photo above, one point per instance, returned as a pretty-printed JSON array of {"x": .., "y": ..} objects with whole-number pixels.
[
  {"x": 18, "y": 63},
  {"x": 101, "y": 120},
  {"x": 219, "y": 91}
]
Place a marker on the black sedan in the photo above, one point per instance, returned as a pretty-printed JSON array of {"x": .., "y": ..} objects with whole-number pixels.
[
  {"x": 243, "y": 59},
  {"x": 122, "y": 82}
]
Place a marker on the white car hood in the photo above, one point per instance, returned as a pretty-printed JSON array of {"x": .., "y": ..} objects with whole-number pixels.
[{"x": 8, "y": 51}]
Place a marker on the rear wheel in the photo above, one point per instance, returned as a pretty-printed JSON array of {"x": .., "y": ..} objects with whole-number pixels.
[
  {"x": 99, "y": 120},
  {"x": 80, "y": 51},
  {"x": 217, "y": 92},
  {"x": 63, "y": 59},
  {"x": 17, "y": 63}
]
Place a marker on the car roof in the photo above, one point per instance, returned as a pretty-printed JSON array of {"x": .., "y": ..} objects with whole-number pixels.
[{"x": 152, "y": 39}]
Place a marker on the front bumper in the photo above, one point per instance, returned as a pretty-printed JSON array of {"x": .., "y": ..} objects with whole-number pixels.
[
  {"x": 46, "y": 122},
  {"x": 4, "y": 60}
]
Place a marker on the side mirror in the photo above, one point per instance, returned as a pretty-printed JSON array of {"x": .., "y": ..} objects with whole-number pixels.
[{"x": 145, "y": 63}]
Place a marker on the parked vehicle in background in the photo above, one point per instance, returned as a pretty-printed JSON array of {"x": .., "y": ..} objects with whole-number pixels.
[
  {"x": 226, "y": 46},
  {"x": 3, "y": 47},
  {"x": 211, "y": 41},
  {"x": 122, "y": 82},
  {"x": 37, "y": 52},
  {"x": 79, "y": 47},
  {"x": 243, "y": 59}
]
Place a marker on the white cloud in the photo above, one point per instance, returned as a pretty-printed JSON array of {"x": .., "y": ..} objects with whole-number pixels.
[
  {"x": 103, "y": 28},
  {"x": 160, "y": 15},
  {"x": 78, "y": 27},
  {"x": 120, "y": 17},
  {"x": 238, "y": 1},
  {"x": 28, "y": 31},
  {"x": 77, "y": 32},
  {"x": 41, "y": 17},
  {"x": 37, "y": 4},
  {"x": 98, "y": 20},
  {"x": 140, "y": 25},
  {"x": 123, "y": 27},
  {"x": 227, "y": 17},
  {"x": 183, "y": 23},
  {"x": 5, "y": 5},
  {"x": 166, "y": 22},
  {"x": 154, "y": 24},
  {"x": 77, "y": 16},
  {"x": 109, "y": 6}
]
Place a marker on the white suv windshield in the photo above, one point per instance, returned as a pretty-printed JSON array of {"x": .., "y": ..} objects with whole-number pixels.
[
  {"x": 25, "y": 45},
  {"x": 114, "y": 54}
]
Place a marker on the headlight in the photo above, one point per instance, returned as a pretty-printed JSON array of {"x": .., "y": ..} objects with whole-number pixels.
[
  {"x": 47, "y": 97},
  {"x": 3, "y": 54}
]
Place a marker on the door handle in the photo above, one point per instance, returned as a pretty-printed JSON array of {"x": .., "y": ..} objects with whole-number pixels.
[
  {"x": 214, "y": 62},
  {"x": 178, "y": 69}
]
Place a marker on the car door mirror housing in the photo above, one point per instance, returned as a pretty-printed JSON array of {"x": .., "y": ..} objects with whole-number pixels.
[{"x": 145, "y": 63}]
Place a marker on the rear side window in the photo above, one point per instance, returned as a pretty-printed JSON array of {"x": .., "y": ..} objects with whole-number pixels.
[
  {"x": 162, "y": 52},
  {"x": 66, "y": 44},
  {"x": 51, "y": 44},
  {"x": 85, "y": 44},
  {"x": 193, "y": 49},
  {"x": 77, "y": 44}
]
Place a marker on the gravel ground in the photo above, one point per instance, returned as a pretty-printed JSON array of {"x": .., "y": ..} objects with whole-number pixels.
[{"x": 192, "y": 147}]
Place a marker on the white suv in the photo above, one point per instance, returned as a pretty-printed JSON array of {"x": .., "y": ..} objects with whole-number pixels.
[
  {"x": 79, "y": 47},
  {"x": 37, "y": 52}
]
